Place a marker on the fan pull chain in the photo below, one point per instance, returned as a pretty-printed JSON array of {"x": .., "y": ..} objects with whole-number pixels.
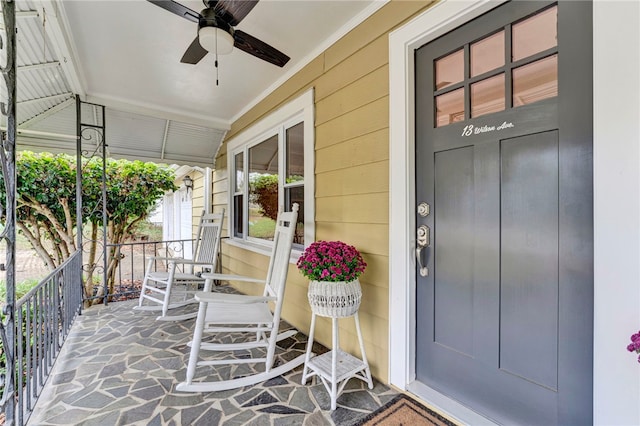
[{"x": 217, "y": 58}]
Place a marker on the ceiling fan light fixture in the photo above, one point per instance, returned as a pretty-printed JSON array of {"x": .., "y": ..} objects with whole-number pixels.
[{"x": 215, "y": 40}]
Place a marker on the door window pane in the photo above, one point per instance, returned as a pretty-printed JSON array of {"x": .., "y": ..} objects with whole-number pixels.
[
  {"x": 450, "y": 108},
  {"x": 263, "y": 188},
  {"x": 294, "y": 154},
  {"x": 449, "y": 70},
  {"x": 487, "y": 54},
  {"x": 535, "y": 34},
  {"x": 487, "y": 96},
  {"x": 535, "y": 81}
]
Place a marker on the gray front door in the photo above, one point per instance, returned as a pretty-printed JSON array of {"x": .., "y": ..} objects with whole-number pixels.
[{"x": 504, "y": 162}]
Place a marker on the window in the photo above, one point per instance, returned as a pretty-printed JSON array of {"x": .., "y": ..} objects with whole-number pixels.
[
  {"x": 271, "y": 166},
  {"x": 516, "y": 65}
]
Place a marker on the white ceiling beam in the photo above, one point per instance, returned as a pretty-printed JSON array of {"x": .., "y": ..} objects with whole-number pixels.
[
  {"x": 59, "y": 36},
  {"x": 139, "y": 154},
  {"x": 42, "y": 135},
  {"x": 154, "y": 111},
  {"x": 42, "y": 65},
  {"x": 62, "y": 96},
  {"x": 22, "y": 14},
  {"x": 48, "y": 113},
  {"x": 164, "y": 139},
  {"x": 26, "y": 14}
]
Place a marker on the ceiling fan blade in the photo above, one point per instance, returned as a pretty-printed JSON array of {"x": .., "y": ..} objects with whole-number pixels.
[
  {"x": 259, "y": 48},
  {"x": 177, "y": 8},
  {"x": 194, "y": 53},
  {"x": 234, "y": 11}
]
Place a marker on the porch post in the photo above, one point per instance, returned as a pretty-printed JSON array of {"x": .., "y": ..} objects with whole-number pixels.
[
  {"x": 79, "y": 229},
  {"x": 8, "y": 157}
]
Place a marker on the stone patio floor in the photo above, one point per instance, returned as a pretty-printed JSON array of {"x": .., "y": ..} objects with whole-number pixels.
[{"x": 120, "y": 367}]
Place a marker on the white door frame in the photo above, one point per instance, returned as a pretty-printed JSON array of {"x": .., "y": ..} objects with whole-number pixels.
[{"x": 436, "y": 21}]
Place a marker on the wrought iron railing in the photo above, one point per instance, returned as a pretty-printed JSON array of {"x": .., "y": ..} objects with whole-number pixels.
[
  {"x": 125, "y": 281},
  {"x": 43, "y": 320},
  {"x": 44, "y": 316}
]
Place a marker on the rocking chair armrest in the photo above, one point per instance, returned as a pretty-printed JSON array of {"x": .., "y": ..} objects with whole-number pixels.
[
  {"x": 203, "y": 296},
  {"x": 166, "y": 259},
  {"x": 180, "y": 260},
  {"x": 190, "y": 262},
  {"x": 229, "y": 277}
]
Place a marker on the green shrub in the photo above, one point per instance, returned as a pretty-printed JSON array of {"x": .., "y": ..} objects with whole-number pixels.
[{"x": 22, "y": 288}]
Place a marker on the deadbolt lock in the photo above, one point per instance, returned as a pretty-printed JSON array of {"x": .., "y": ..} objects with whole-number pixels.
[
  {"x": 422, "y": 236},
  {"x": 423, "y": 209}
]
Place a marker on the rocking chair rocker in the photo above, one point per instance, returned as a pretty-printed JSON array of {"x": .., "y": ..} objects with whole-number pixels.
[
  {"x": 235, "y": 313},
  {"x": 162, "y": 294}
]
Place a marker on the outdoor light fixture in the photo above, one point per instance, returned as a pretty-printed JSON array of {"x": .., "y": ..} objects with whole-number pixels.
[
  {"x": 215, "y": 40},
  {"x": 188, "y": 183}
]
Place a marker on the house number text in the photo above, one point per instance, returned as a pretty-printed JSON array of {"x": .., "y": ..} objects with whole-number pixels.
[{"x": 476, "y": 130}]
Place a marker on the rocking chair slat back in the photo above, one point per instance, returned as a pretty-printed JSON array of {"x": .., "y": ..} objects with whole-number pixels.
[{"x": 282, "y": 242}]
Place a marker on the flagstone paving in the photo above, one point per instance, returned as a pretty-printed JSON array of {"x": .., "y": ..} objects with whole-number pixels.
[{"x": 121, "y": 367}]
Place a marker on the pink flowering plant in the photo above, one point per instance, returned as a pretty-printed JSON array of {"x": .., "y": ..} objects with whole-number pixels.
[
  {"x": 634, "y": 346},
  {"x": 331, "y": 261}
]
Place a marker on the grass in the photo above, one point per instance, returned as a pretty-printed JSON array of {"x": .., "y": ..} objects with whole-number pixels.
[
  {"x": 262, "y": 228},
  {"x": 149, "y": 230}
]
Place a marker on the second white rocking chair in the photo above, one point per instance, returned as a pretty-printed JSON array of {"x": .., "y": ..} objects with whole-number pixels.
[
  {"x": 159, "y": 287},
  {"x": 236, "y": 313}
]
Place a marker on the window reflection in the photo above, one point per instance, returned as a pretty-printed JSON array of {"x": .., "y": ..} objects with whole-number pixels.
[
  {"x": 294, "y": 184},
  {"x": 536, "y": 81},
  {"x": 487, "y": 96},
  {"x": 535, "y": 34},
  {"x": 450, "y": 108},
  {"x": 295, "y": 194},
  {"x": 487, "y": 54},
  {"x": 239, "y": 167},
  {"x": 449, "y": 70},
  {"x": 263, "y": 188},
  {"x": 295, "y": 153}
]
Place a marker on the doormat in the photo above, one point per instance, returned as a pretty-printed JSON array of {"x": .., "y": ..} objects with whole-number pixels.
[{"x": 404, "y": 411}]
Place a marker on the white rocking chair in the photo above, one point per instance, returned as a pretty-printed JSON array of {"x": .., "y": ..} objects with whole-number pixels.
[
  {"x": 159, "y": 287},
  {"x": 236, "y": 313}
]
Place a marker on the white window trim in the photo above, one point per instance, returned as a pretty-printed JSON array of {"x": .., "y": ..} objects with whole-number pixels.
[{"x": 295, "y": 111}]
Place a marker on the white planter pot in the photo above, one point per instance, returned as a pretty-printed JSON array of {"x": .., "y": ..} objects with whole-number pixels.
[{"x": 335, "y": 299}]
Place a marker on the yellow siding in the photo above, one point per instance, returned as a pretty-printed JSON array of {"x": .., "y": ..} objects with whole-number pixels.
[
  {"x": 365, "y": 149},
  {"x": 371, "y": 87},
  {"x": 361, "y": 63},
  {"x": 359, "y": 208},
  {"x": 367, "y": 178},
  {"x": 351, "y": 87}
]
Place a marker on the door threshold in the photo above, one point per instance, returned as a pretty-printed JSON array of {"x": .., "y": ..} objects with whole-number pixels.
[{"x": 450, "y": 407}]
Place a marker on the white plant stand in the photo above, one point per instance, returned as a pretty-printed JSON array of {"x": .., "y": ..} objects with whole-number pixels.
[{"x": 336, "y": 367}]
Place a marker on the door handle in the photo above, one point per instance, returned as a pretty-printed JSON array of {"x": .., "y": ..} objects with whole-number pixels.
[
  {"x": 423, "y": 239},
  {"x": 423, "y": 269}
]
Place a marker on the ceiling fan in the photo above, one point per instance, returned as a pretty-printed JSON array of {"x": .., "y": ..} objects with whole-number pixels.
[{"x": 216, "y": 33}]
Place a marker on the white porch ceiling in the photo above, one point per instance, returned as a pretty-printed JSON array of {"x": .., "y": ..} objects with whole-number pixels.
[{"x": 125, "y": 55}]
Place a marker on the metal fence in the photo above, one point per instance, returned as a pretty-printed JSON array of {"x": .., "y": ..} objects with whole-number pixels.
[
  {"x": 43, "y": 319},
  {"x": 133, "y": 261},
  {"x": 44, "y": 316}
]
